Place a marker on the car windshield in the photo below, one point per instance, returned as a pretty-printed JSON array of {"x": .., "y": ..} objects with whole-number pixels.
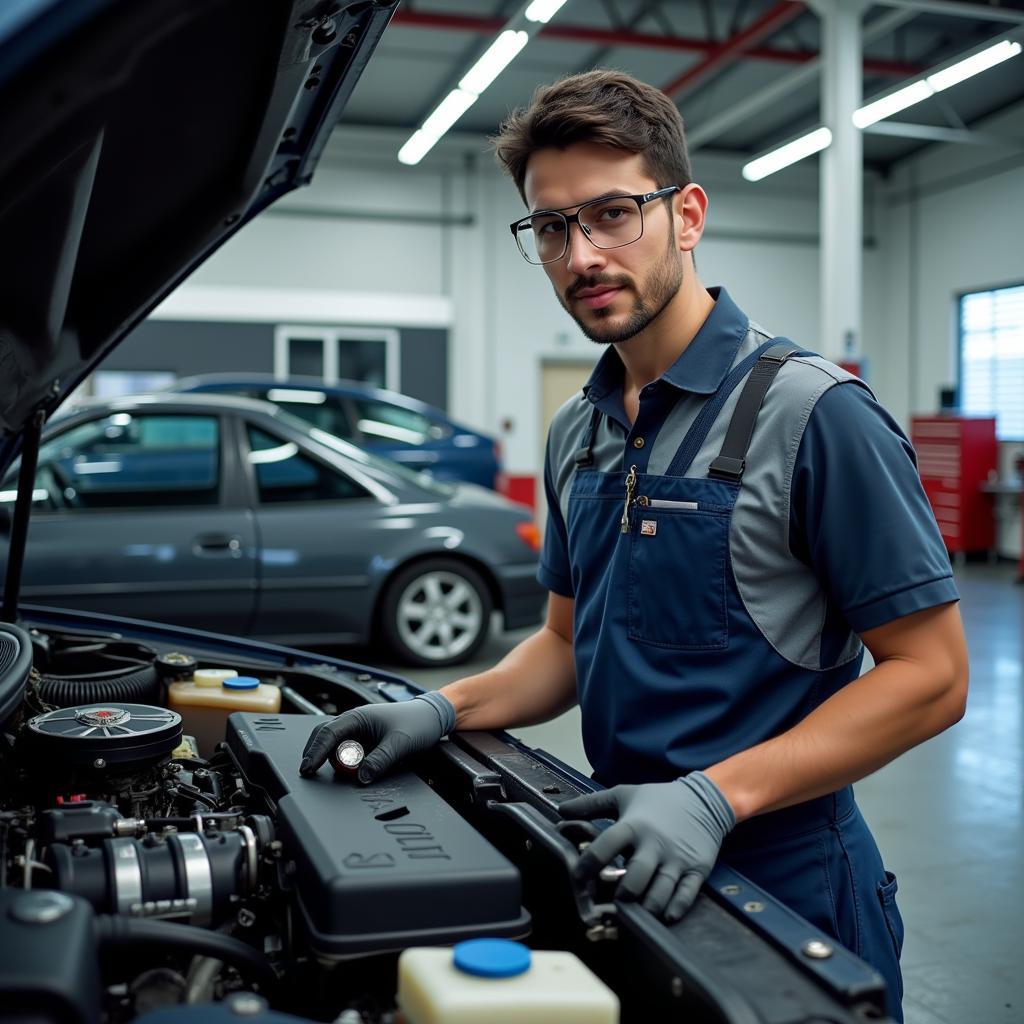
[{"x": 374, "y": 463}]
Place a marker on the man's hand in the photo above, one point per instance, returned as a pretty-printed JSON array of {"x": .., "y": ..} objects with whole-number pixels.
[
  {"x": 389, "y": 733},
  {"x": 675, "y": 830}
]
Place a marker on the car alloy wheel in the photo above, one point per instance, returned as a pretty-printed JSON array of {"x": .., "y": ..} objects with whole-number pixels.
[{"x": 437, "y": 612}]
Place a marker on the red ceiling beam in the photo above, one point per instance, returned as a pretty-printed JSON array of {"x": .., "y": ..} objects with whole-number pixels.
[
  {"x": 617, "y": 37},
  {"x": 732, "y": 49}
]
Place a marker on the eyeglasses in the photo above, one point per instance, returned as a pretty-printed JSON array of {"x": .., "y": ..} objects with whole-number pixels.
[{"x": 608, "y": 223}]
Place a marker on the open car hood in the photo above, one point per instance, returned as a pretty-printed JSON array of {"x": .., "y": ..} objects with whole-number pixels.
[{"x": 135, "y": 138}]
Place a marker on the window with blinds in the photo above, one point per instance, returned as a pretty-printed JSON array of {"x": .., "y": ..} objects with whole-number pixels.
[{"x": 992, "y": 358}]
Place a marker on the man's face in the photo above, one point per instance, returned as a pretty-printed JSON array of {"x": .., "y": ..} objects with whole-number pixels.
[{"x": 613, "y": 294}]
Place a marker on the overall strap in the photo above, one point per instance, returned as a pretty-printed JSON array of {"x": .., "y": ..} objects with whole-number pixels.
[
  {"x": 585, "y": 454},
  {"x": 731, "y": 460},
  {"x": 697, "y": 433}
]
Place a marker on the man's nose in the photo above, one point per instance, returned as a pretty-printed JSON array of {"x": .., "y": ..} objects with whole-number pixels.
[{"x": 582, "y": 255}]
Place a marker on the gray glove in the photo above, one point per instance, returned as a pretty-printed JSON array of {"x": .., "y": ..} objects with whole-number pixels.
[
  {"x": 675, "y": 830},
  {"x": 389, "y": 733}
]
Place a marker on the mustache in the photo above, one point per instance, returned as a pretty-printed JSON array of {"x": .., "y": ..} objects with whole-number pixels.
[{"x": 596, "y": 281}]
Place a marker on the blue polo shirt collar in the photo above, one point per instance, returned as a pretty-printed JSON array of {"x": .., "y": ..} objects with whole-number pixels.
[{"x": 703, "y": 365}]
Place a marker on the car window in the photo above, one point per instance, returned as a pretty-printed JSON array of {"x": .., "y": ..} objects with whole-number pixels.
[
  {"x": 328, "y": 415},
  {"x": 381, "y": 421},
  {"x": 284, "y": 474},
  {"x": 127, "y": 460}
]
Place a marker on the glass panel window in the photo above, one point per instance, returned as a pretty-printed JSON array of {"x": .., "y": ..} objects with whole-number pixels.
[
  {"x": 284, "y": 474},
  {"x": 125, "y": 460},
  {"x": 381, "y": 421},
  {"x": 992, "y": 358}
]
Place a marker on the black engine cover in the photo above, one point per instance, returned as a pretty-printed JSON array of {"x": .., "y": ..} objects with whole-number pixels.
[{"x": 378, "y": 867}]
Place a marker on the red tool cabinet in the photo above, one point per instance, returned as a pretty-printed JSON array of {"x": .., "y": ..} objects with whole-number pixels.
[{"x": 955, "y": 456}]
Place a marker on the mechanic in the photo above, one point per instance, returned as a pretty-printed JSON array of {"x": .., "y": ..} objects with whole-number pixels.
[{"x": 731, "y": 521}]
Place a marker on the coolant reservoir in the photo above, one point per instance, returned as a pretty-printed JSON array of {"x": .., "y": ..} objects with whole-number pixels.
[
  {"x": 501, "y": 982},
  {"x": 205, "y": 702}
]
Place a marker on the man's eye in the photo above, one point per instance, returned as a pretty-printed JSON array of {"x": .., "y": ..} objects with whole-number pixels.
[
  {"x": 613, "y": 213},
  {"x": 549, "y": 227}
]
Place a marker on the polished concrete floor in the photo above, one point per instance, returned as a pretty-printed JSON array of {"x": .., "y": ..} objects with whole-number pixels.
[{"x": 949, "y": 818}]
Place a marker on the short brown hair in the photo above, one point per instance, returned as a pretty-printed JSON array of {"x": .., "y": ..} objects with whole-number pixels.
[{"x": 607, "y": 107}]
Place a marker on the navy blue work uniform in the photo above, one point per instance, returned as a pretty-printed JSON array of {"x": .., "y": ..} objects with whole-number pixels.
[{"x": 716, "y": 608}]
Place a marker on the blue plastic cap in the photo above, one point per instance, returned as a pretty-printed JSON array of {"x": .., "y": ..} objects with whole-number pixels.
[
  {"x": 241, "y": 683},
  {"x": 491, "y": 958}
]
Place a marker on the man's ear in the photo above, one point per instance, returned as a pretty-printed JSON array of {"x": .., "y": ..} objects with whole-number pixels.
[{"x": 690, "y": 207}]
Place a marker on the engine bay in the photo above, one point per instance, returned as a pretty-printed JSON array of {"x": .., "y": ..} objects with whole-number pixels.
[{"x": 175, "y": 874}]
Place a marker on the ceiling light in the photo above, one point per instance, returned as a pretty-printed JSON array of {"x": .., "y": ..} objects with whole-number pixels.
[
  {"x": 788, "y": 154},
  {"x": 495, "y": 59},
  {"x": 973, "y": 65},
  {"x": 447, "y": 112},
  {"x": 928, "y": 86},
  {"x": 543, "y": 10},
  {"x": 418, "y": 145},
  {"x": 892, "y": 104}
]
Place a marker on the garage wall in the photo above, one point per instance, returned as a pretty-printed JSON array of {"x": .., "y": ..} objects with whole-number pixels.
[{"x": 953, "y": 222}]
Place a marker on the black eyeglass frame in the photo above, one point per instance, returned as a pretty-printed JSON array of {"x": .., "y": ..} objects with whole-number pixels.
[{"x": 641, "y": 200}]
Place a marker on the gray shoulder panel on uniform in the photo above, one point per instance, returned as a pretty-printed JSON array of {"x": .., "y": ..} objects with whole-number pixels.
[{"x": 781, "y": 593}]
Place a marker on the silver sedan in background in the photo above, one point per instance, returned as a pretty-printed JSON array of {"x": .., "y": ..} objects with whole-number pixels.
[{"x": 228, "y": 514}]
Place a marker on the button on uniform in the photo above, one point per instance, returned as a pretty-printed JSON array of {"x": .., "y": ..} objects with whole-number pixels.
[{"x": 638, "y": 442}]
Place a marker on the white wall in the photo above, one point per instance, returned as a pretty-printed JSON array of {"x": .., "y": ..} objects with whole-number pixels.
[{"x": 952, "y": 221}]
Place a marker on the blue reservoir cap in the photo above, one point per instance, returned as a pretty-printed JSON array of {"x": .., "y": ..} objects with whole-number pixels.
[
  {"x": 241, "y": 683},
  {"x": 492, "y": 958}
]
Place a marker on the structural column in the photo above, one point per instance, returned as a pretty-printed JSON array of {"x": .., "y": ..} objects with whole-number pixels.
[{"x": 842, "y": 180}]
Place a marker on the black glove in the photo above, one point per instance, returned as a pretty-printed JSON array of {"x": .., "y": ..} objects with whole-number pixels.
[
  {"x": 389, "y": 733},
  {"x": 675, "y": 830}
]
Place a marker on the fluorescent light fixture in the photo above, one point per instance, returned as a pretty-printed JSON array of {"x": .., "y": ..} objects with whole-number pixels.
[
  {"x": 496, "y": 58},
  {"x": 281, "y": 453},
  {"x": 973, "y": 65},
  {"x": 928, "y": 86},
  {"x": 892, "y": 104},
  {"x": 788, "y": 154},
  {"x": 418, "y": 145},
  {"x": 543, "y": 10},
  {"x": 447, "y": 112}
]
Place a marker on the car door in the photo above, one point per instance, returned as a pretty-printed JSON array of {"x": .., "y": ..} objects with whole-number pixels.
[
  {"x": 321, "y": 543},
  {"x": 128, "y": 519}
]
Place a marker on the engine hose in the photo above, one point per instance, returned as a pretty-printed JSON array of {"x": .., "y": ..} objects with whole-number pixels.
[
  {"x": 77, "y": 669},
  {"x": 114, "y": 930},
  {"x": 141, "y": 687}
]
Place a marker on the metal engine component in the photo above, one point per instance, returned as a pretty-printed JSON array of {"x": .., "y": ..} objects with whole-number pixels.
[
  {"x": 191, "y": 875},
  {"x": 107, "y": 733}
]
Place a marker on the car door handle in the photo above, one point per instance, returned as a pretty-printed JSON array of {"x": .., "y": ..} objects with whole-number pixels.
[{"x": 218, "y": 544}]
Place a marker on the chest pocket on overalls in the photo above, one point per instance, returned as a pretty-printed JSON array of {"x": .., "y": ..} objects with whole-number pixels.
[{"x": 678, "y": 559}]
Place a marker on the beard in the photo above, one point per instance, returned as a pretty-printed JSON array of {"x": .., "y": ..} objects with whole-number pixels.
[{"x": 661, "y": 287}]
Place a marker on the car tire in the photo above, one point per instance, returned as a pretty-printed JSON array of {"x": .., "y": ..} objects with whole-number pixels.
[{"x": 436, "y": 612}]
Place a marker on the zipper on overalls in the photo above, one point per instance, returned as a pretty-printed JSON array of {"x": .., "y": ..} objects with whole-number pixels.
[{"x": 630, "y": 484}]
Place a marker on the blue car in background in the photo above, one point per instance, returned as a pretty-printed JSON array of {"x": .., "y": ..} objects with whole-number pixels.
[{"x": 385, "y": 423}]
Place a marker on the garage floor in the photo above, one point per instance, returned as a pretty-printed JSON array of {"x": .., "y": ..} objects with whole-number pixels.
[{"x": 949, "y": 818}]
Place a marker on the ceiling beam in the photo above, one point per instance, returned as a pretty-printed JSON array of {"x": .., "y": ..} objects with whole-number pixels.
[
  {"x": 730, "y": 50},
  {"x": 616, "y": 37},
  {"x": 957, "y": 8},
  {"x": 704, "y": 132},
  {"x": 937, "y": 133}
]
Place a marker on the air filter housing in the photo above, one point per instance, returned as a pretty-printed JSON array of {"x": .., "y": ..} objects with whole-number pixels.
[{"x": 115, "y": 733}]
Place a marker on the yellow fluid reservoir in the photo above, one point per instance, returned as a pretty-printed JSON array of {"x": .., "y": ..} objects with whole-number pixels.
[
  {"x": 204, "y": 704},
  {"x": 501, "y": 982}
]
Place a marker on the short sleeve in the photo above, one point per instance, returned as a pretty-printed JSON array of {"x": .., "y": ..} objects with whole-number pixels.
[
  {"x": 554, "y": 572},
  {"x": 859, "y": 516}
]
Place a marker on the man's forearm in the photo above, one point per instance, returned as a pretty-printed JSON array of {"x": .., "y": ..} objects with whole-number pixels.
[
  {"x": 534, "y": 682},
  {"x": 903, "y": 701}
]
